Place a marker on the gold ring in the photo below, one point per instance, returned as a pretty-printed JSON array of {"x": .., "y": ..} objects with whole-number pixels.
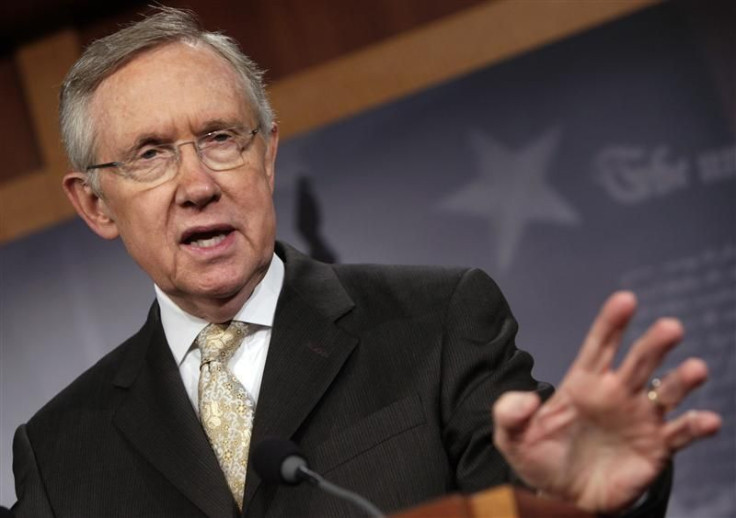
[{"x": 653, "y": 395}]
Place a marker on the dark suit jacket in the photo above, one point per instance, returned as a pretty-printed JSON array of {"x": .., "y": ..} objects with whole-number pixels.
[{"x": 384, "y": 376}]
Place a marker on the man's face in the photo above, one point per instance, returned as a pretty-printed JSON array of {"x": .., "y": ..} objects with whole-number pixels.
[{"x": 205, "y": 237}]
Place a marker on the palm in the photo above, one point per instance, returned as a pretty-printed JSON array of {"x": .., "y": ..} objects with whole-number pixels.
[
  {"x": 599, "y": 441},
  {"x": 620, "y": 435}
]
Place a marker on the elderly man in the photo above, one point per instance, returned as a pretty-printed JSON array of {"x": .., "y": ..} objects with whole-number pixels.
[{"x": 384, "y": 375}]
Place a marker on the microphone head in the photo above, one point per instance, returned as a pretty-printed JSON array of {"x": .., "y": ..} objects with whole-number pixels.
[{"x": 277, "y": 461}]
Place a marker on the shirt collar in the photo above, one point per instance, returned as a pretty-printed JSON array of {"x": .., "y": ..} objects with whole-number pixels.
[{"x": 181, "y": 328}]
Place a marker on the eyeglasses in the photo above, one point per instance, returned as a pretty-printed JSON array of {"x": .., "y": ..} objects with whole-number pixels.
[{"x": 219, "y": 150}]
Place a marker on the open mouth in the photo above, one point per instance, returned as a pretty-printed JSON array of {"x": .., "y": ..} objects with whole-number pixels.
[{"x": 205, "y": 238}]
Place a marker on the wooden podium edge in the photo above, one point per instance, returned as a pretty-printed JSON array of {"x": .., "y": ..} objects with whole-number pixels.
[{"x": 500, "y": 502}]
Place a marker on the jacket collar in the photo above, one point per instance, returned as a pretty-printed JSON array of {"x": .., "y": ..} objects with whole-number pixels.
[
  {"x": 156, "y": 417},
  {"x": 308, "y": 349}
]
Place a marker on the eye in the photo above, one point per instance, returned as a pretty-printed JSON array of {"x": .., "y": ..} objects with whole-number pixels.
[
  {"x": 219, "y": 138},
  {"x": 222, "y": 136},
  {"x": 150, "y": 153}
]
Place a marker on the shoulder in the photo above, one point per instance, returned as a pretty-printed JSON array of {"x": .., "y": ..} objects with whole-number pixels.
[
  {"x": 415, "y": 284},
  {"x": 393, "y": 284},
  {"x": 464, "y": 305},
  {"x": 399, "y": 290},
  {"x": 94, "y": 390}
]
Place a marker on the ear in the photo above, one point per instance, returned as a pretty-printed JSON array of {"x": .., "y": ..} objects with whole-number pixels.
[
  {"x": 90, "y": 206},
  {"x": 271, "y": 151}
]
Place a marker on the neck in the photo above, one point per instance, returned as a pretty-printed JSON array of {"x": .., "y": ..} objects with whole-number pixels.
[
  {"x": 218, "y": 309},
  {"x": 213, "y": 311}
]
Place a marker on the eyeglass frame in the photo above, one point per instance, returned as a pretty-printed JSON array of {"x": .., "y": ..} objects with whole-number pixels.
[{"x": 248, "y": 138}]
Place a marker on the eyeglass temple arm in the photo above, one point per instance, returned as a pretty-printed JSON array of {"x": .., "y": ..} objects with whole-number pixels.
[{"x": 104, "y": 166}]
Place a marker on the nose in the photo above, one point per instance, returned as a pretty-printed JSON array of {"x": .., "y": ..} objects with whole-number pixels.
[{"x": 196, "y": 185}]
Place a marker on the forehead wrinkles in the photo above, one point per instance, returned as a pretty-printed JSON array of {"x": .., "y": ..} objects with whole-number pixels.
[{"x": 168, "y": 86}]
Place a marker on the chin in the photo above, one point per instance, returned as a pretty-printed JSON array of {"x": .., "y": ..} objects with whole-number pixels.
[
  {"x": 226, "y": 284},
  {"x": 223, "y": 290},
  {"x": 223, "y": 281}
]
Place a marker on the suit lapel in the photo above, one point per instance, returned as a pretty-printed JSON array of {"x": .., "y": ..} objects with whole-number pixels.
[
  {"x": 307, "y": 350},
  {"x": 156, "y": 416}
]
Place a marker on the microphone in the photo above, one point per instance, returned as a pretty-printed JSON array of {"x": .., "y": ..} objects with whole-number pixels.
[{"x": 279, "y": 461}]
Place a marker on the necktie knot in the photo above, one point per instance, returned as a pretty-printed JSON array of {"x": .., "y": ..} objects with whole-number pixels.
[{"x": 218, "y": 342}]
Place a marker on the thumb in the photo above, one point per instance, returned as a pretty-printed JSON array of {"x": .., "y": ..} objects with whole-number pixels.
[{"x": 511, "y": 415}]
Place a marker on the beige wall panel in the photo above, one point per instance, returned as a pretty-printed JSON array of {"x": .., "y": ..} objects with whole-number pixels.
[
  {"x": 36, "y": 200},
  {"x": 32, "y": 202},
  {"x": 20, "y": 150},
  {"x": 455, "y": 45}
]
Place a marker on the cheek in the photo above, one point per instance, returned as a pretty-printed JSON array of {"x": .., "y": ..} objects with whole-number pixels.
[
  {"x": 251, "y": 192},
  {"x": 141, "y": 220},
  {"x": 144, "y": 241},
  {"x": 260, "y": 207},
  {"x": 258, "y": 219},
  {"x": 142, "y": 227}
]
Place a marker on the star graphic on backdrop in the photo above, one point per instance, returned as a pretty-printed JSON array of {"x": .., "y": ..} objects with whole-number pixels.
[{"x": 511, "y": 191}]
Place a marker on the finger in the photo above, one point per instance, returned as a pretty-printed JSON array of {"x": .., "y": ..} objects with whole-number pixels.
[
  {"x": 512, "y": 414},
  {"x": 602, "y": 341},
  {"x": 648, "y": 352},
  {"x": 691, "y": 426},
  {"x": 674, "y": 387}
]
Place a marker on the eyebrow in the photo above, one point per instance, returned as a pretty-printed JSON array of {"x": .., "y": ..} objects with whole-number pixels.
[{"x": 218, "y": 124}]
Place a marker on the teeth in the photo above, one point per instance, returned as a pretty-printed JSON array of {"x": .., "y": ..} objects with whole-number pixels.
[{"x": 209, "y": 242}]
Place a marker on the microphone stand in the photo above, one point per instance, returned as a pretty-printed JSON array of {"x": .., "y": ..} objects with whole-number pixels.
[{"x": 316, "y": 479}]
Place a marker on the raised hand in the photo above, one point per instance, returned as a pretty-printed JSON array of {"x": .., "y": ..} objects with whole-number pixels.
[{"x": 603, "y": 437}]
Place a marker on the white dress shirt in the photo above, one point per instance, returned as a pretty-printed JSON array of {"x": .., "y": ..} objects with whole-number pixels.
[{"x": 249, "y": 360}]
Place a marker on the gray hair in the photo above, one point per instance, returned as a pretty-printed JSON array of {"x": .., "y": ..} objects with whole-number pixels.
[{"x": 105, "y": 56}]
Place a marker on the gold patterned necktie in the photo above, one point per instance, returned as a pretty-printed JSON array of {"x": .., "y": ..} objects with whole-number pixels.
[{"x": 225, "y": 406}]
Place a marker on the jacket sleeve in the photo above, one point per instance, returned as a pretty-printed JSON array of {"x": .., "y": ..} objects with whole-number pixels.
[
  {"x": 29, "y": 488},
  {"x": 654, "y": 503},
  {"x": 480, "y": 362}
]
